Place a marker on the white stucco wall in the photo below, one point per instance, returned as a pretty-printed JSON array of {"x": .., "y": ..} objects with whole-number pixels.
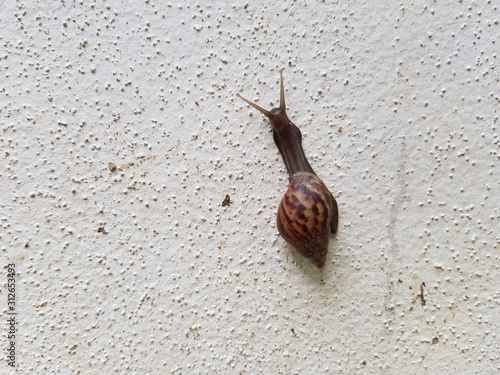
[{"x": 140, "y": 270}]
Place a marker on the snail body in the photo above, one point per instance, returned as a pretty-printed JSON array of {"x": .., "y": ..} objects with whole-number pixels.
[{"x": 308, "y": 212}]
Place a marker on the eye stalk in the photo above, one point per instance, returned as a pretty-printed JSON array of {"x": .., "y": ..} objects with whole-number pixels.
[{"x": 287, "y": 136}]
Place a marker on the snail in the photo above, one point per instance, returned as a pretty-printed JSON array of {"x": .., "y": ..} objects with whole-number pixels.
[{"x": 308, "y": 213}]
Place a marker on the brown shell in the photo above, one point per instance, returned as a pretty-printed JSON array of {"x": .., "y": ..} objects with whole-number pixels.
[{"x": 307, "y": 215}]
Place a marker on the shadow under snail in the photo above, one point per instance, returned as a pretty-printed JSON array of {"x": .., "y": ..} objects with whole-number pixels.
[{"x": 308, "y": 213}]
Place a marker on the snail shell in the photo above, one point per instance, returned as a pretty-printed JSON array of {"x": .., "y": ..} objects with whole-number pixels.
[{"x": 304, "y": 216}]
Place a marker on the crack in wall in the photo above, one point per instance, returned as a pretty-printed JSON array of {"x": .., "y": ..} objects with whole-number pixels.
[{"x": 395, "y": 254}]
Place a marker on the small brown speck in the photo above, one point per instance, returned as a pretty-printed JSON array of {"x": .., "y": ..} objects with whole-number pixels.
[
  {"x": 112, "y": 167},
  {"x": 435, "y": 340},
  {"x": 102, "y": 230},
  {"x": 422, "y": 297},
  {"x": 226, "y": 201}
]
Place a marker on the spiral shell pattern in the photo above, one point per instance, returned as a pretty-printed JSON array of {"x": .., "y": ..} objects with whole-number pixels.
[{"x": 305, "y": 216}]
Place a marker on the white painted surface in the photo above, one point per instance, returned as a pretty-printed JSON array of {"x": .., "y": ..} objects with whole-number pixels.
[{"x": 399, "y": 106}]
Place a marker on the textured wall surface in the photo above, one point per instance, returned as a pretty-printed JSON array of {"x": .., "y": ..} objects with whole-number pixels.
[{"x": 121, "y": 135}]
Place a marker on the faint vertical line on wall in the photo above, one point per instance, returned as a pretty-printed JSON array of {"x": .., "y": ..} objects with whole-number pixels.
[{"x": 396, "y": 250}]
